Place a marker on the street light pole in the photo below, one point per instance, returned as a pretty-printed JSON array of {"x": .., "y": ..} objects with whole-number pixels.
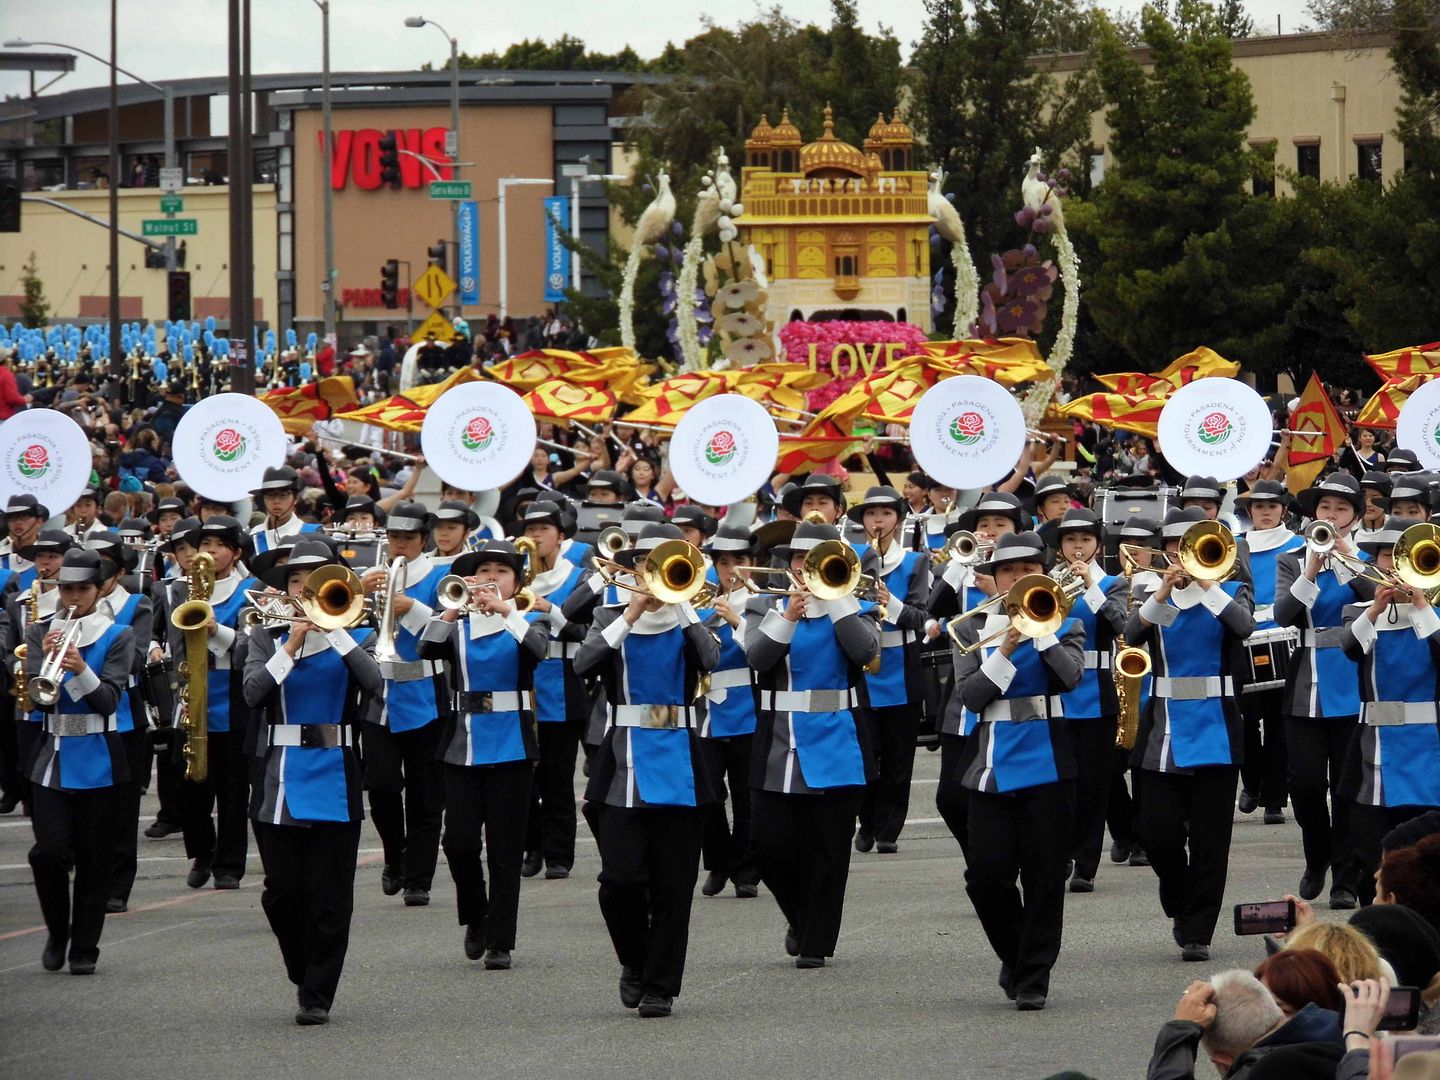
[
  {"x": 327, "y": 288},
  {"x": 115, "y": 356},
  {"x": 416, "y": 21},
  {"x": 580, "y": 174},
  {"x": 509, "y": 181}
]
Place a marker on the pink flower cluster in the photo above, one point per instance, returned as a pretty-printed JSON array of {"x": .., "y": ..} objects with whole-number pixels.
[{"x": 796, "y": 338}]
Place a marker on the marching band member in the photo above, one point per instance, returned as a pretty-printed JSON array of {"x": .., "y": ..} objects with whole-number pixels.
[
  {"x": 1375, "y": 486},
  {"x": 1262, "y": 772},
  {"x": 77, "y": 763},
  {"x": 25, "y": 516},
  {"x": 278, "y": 492},
  {"x": 1190, "y": 743},
  {"x": 85, "y": 515},
  {"x": 1019, "y": 771},
  {"x": 485, "y": 528},
  {"x": 219, "y": 846},
  {"x": 811, "y": 758},
  {"x": 1393, "y": 770},
  {"x": 647, "y": 780},
  {"x": 402, "y": 767},
  {"x": 1208, "y": 494},
  {"x": 561, "y": 704},
  {"x": 1400, "y": 460},
  {"x": 903, "y": 587},
  {"x": 817, "y": 492},
  {"x": 180, "y": 546},
  {"x": 454, "y": 522},
  {"x": 929, "y": 528},
  {"x": 1322, "y": 692},
  {"x": 167, "y": 513},
  {"x": 1091, "y": 706},
  {"x": 489, "y": 746},
  {"x": 1054, "y": 498},
  {"x": 1410, "y": 497},
  {"x": 729, "y": 727},
  {"x": 306, "y": 687}
]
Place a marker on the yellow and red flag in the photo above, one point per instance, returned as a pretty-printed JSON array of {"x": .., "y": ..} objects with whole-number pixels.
[
  {"x": 528, "y": 370},
  {"x": 1383, "y": 408},
  {"x": 300, "y": 406},
  {"x": 1201, "y": 363},
  {"x": 1139, "y": 413},
  {"x": 799, "y": 453},
  {"x": 1412, "y": 360},
  {"x": 1316, "y": 433},
  {"x": 667, "y": 401},
  {"x": 406, "y": 412},
  {"x": 565, "y": 401}
]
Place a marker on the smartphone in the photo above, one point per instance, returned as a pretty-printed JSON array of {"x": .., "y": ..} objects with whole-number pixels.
[
  {"x": 1414, "y": 1044},
  {"x": 1265, "y": 917},
  {"x": 1402, "y": 1011}
]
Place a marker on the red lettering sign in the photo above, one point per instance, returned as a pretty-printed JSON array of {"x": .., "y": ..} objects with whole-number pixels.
[
  {"x": 356, "y": 156},
  {"x": 369, "y": 298}
]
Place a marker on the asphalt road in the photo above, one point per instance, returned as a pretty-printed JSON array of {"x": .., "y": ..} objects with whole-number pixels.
[{"x": 190, "y": 982}]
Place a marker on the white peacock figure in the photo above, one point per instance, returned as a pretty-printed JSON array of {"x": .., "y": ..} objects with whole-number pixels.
[
  {"x": 1039, "y": 197},
  {"x": 950, "y": 227},
  {"x": 715, "y": 209},
  {"x": 654, "y": 223}
]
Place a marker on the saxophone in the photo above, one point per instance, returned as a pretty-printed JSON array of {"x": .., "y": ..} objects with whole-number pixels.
[
  {"x": 1131, "y": 665},
  {"x": 22, "y": 684},
  {"x": 192, "y": 618}
]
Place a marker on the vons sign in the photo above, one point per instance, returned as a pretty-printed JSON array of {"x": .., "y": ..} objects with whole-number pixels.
[{"x": 357, "y": 157}]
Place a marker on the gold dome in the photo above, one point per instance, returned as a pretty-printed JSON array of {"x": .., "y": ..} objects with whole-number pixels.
[
  {"x": 785, "y": 133},
  {"x": 877, "y": 130},
  {"x": 828, "y": 152},
  {"x": 761, "y": 136},
  {"x": 897, "y": 131}
]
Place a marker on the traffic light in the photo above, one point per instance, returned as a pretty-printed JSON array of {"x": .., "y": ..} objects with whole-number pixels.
[
  {"x": 389, "y": 160},
  {"x": 9, "y": 206},
  {"x": 177, "y": 289},
  {"x": 438, "y": 255},
  {"x": 390, "y": 284}
]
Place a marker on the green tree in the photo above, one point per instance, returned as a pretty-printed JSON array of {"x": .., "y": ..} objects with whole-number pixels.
[
  {"x": 566, "y": 53},
  {"x": 34, "y": 309}
]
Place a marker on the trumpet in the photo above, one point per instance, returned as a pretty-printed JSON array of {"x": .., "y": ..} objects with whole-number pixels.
[
  {"x": 673, "y": 572},
  {"x": 1208, "y": 552},
  {"x": 456, "y": 594},
  {"x": 44, "y": 688},
  {"x": 611, "y": 541},
  {"x": 1037, "y": 605},
  {"x": 1320, "y": 537},
  {"x": 965, "y": 548},
  {"x": 331, "y": 598}
]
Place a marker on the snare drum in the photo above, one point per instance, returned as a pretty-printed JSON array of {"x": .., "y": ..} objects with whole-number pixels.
[
  {"x": 1267, "y": 658},
  {"x": 937, "y": 676}
]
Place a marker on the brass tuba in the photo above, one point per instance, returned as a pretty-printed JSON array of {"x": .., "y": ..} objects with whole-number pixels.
[{"x": 192, "y": 619}]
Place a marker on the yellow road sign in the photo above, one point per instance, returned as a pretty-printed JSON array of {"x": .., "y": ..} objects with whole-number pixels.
[
  {"x": 434, "y": 286},
  {"x": 437, "y": 325}
]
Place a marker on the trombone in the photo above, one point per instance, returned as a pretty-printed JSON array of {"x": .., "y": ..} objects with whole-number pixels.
[
  {"x": 1416, "y": 556},
  {"x": 831, "y": 570},
  {"x": 1208, "y": 552},
  {"x": 331, "y": 598},
  {"x": 1037, "y": 605},
  {"x": 673, "y": 572}
]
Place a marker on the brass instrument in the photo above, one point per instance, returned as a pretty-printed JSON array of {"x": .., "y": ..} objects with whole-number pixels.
[
  {"x": 1320, "y": 537},
  {"x": 330, "y": 599},
  {"x": 673, "y": 572},
  {"x": 192, "y": 619},
  {"x": 44, "y": 688},
  {"x": 1132, "y": 664},
  {"x": 1416, "y": 556},
  {"x": 1037, "y": 605},
  {"x": 831, "y": 570},
  {"x": 965, "y": 548},
  {"x": 611, "y": 541},
  {"x": 385, "y": 617},
  {"x": 1208, "y": 552},
  {"x": 22, "y": 685},
  {"x": 524, "y": 598}
]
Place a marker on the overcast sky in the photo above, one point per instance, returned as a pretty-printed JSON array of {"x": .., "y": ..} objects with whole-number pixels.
[{"x": 188, "y": 38}]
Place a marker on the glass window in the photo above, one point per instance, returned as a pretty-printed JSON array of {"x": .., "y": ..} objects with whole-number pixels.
[
  {"x": 1307, "y": 160},
  {"x": 1367, "y": 165},
  {"x": 1097, "y": 167}
]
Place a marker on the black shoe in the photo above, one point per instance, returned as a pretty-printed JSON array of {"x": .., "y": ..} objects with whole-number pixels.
[
  {"x": 557, "y": 873},
  {"x": 804, "y": 963},
  {"x": 1274, "y": 817},
  {"x": 1248, "y": 802},
  {"x": 792, "y": 942},
  {"x": 1342, "y": 899},
  {"x": 474, "y": 941},
  {"x": 417, "y": 897},
  {"x": 53, "y": 958},
  {"x": 746, "y": 892},
  {"x": 655, "y": 1005},
  {"x": 1138, "y": 856},
  {"x": 632, "y": 987},
  {"x": 864, "y": 841},
  {"x": 8, "y": 804},
  {"x": 116, "y": 905},
  {"x": 1193, "y": 951},
  {"x": 1082, "y": 884},
  {"x": 1119, "y": 851},
  {"x": 714, "y": 882},
  {"x": 312, "y": 1016},
  {"x": 1030, "y": 1001},
  {"x": 199, "y": 873},
  {"x": 886, "y": 847},
  {"x": 390, "y": 880},
  {"x": 158, "y": 830},
  {"x": 497, "y": 959},
  {"x": 1007, "y": 977},
  {"x": 531, "y": 866},
  {"x": 226, "y": 881},
  {"x": 1311, "y": 882},
  {"x": 82, "y": 967}
]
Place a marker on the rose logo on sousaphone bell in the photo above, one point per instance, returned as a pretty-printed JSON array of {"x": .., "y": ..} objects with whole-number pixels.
[
  {"x": 1215, "y": 429},
  {"x": 968, "y": 428},
  {"x": 34, "y": 461},
  {"x": 1436, "y": 434},
  {"x": 721, "y": 448},
  {"x": 229, "y": 445},
  {"x": 478, "y": 434}
]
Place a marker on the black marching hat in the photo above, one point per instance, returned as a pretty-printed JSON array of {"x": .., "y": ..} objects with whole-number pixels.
[
  {"x": 880, "y": 497},
  {"x": 278, "y": 478},
  {"x": 547, "y": 513},
  {"x": 305, "y": 555},
  {"x": 696, "y": 518},
  {"x": 806, "y": 536},
  {"x": 168, "y": 505},
  {"x": 363, "y": 504},
  {"x": 1075, "y": 520},
  {"x": 83, "y": 567},
  {"x": 651, "y": 537},
  {"x": 1140, "y": 530},
  {"x": 731, "y": 540},
  {"x": 134, "y": 529},
  {"x": 494, "y": 551},
  {"x": 57, "y": 541},
  {"x": 1414, "y": 486},
  {"x": 1380, "y": 481},
  {"x": 813, "y": 484},
  {"x": 26, "y": 504},
  {"x": 455, "y": 510},
  {"x": 225, "y": 529},
  {"x": 1399, "y": 460},
  {"x": 1264, "y": 491},
  {"x": 1178, "y": 520},
  {"x": 1052, "y": 483},
  {"x": 1341, "y": 485},
  {"x": 1385, "y": 537},
  {"x": 1016, "y": 547},
  {"x": 1202, "y": 487},
  {"x": 186, "y": 530},
  {"x": 992, "y": 502},
  {"x": 606, "y": 480},
  {"x": 409, "y": 517},
  {"x": 109, "y": 545}
]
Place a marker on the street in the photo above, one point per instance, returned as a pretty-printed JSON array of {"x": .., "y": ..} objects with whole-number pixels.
[{"x": 190, "y": 982}]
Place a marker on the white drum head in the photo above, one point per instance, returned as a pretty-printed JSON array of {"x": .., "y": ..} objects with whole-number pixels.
[
  {"x": 723, "y": 449},
  {"x": 1418, "y": 427},
  {"x": 478, "y": 436},
  {"x": 967, "y": 432},
  {"x": 45, "y": 454},
  {"x": 1215, "y": 427},
  {"x": 224, "y": 444}
]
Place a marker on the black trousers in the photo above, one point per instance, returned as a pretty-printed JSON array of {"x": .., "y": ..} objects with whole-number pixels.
[
  {"x": 649, "y": 857},
  {"x": 1093, "y": 741},
  {"x": 72, "y": 829},
  {"x": 1122, "y": 809},
  {"x": 308, "y": 897},
  {"x": 1316, "y": 751},
  {"x": 1197, "y": 808},
  {"x": 485, "y": 812},
  {"x": 407, "y": 798},
  {"x": 727, "y": 847},
  {"x": 126, "y": 832},
  {"x": 1022, "y": 835},
  {"x": 887, "y": 797},
  {"x": 1263, "y": 772},
  {"x": 27, "y": 738},
  {"x": 802, "y": 846},
  {"x": 1368, "y": 826},
  {"x": 226, "y": 790},
  {"x": 951, "y": 798},
  {"x": 169, "y": 776},
  {"x": 11, "y": 774},
  {"x": 551, "y": 831}
]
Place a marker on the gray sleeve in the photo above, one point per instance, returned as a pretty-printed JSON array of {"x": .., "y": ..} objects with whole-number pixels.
[
  {"x": 258, "y": 683},
  {"x": 1238, "y": 616},
  {"x": 976, "y": 688},
  {"x": 1288, "y": 610},
  {"x": 1136, "y": 631},
  {"x": 1349, "y": 643},
  {"x": 437, "y": 640},
  {"x": 596, "y": 651},
  {"x": 858, "y": 635},
  {"x": 1066, "y": 658},
  {"x": 702, "y": 647},
  {"x": 1117, "y": 598},
  {"x": 914, "y": 615},
  {"x": 767, "y": 639},
  {"x": 360, "y": 662}
]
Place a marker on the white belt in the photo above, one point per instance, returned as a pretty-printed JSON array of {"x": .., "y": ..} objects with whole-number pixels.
[
  {"x": 1096, "y": 660},
  {"x": 1325, "y": 638},
  {"x": 67, "y": 724},
  {"x": 1006, "y": 710},
  {"x": 1396, "y": 713},
  {"x": 722, "y": 680},
  {"x": 1269, "y": 636},
  {"x": 1192, "y": 688},
  {"x": 809, "y": 700},
  {"x": 407, "y": 670},
  {"x": 561, "y": 650},
  {"x": 311, "y": 736},
  {"x": 492, "y": 701},
  {"x": 652, "y": 716},
  {"x": 893, "y": 639}
]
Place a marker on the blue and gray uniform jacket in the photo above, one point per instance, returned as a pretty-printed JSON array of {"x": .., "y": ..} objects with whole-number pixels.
[
  {"x": 907, "y": 575},
  {"x": 226, "y": 701},
  {"x": 1323, "y": 681},
  {"x": 1100, "y": 610},
  {"x": 559, "y": 693},
  {"x": 589, "y": 596},
  {"x": 414, "y": 697}
]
